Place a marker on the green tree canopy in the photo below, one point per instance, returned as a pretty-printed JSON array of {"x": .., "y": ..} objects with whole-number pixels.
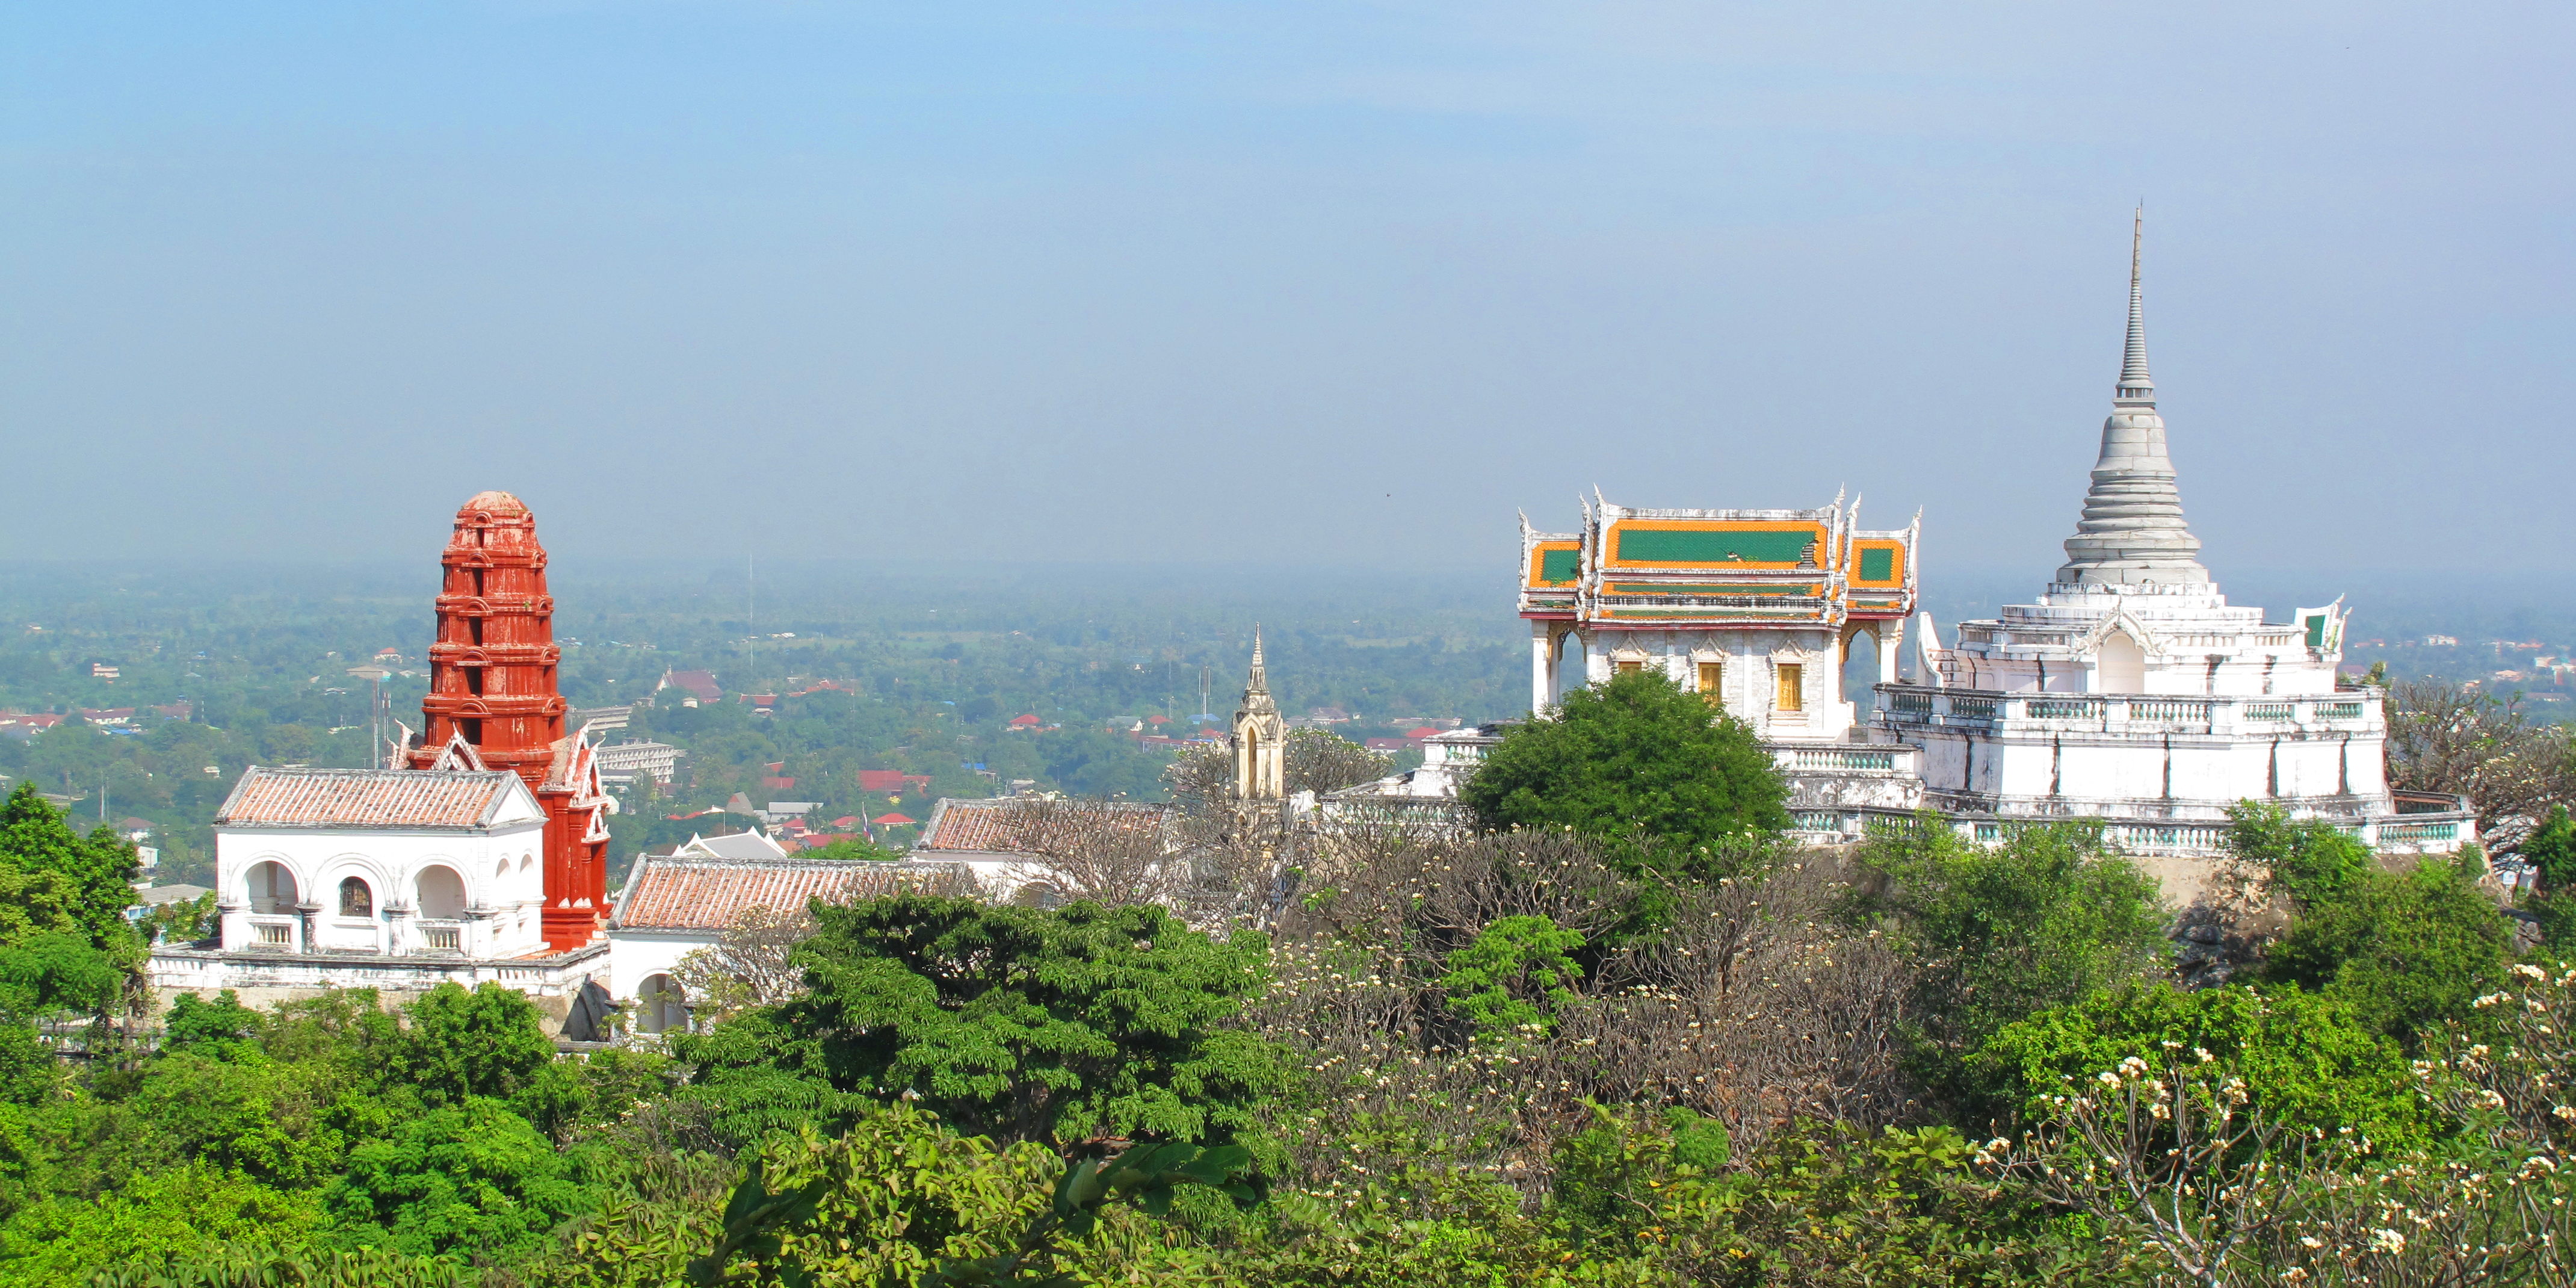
[
  {"x": 98, "y": 869},
  {"x": 1514, "y": 975},
  {"x": 2405, "y": 949},
  {"x": 489, "y": 1042},
  {"x": 1995, "y": 934},
  {"x": 1017, "y": 1023},
  {"x": 2308, "y": 1061},
  {"x": 471, "y": 1177},
  {"x": 2309, "y": 860},
  {"x": 1636, "y": 758}
]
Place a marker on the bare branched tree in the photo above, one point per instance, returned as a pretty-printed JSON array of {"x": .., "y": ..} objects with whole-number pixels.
[
  {"x": 1108, "y": 852},
  {"x": 2445, "y": 738},
  {"x": 1751, "y": 1005},
  {"x": 1319, "y": 761},
  {"x": 747, "y": 967}
]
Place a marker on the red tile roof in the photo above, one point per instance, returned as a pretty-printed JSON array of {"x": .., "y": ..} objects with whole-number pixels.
[
  {"x": 893, "y": 820},
  {"x": 708, "y": 894},
  {"x": 881, "y": 780},
  {"x": 373, "y": 798},
  {"x": 988, "y": 824},
  {"x": 1024, "y": 720}
]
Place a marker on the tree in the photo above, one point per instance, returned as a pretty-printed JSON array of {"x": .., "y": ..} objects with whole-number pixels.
[
  {"x": 1016, "y": 1023},
  {"x": 1107, "y": 852},
  {"x": 1514, "y": 976},
  {"x": 469, "y": 1177},
  {"x": 1317, "y": 760},
  {"x": 1635, "y": 759},
  {"x": 751, "y": 964},
  {"x": 99, "y": 869},
  {"x": 2551, "y": 851},
  {"x": 2444, "y": 738},
  {"x": 2308, "y": 860},
  {"x": 851, "y": 849},
  {"x": 2307, "y": 1060},
  {"x": 1994, "y": 934},
  {"x": 2406, "y": 950},
  {"x": 489, "y": 1042}
]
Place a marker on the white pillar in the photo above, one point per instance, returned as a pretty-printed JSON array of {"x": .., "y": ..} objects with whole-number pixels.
[{"x": 1542, "y": 667}]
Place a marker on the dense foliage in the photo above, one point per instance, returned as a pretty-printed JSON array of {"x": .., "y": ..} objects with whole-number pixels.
[
  {"x": 1639, "y": 760},
  {"x": 1625, "y": 1033}
]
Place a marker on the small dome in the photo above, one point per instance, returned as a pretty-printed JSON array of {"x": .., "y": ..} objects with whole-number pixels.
[{"x": 496, "y": 503}]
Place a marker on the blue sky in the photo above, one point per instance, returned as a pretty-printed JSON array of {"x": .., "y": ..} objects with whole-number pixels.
[{"x": 1318, "y": 283}]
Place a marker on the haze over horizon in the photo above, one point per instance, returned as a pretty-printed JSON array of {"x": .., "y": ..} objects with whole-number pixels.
[{"x": 1326, "y": 285}]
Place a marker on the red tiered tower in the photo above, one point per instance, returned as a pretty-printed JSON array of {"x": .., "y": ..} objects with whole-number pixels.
[{"x": 492, "y": 684}]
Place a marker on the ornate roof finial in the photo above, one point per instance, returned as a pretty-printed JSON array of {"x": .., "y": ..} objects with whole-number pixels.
[
  {"x": 2133, "y": 532},
  {"x": 1260, "y": 674}
]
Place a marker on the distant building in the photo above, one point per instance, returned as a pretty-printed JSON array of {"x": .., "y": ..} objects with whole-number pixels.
[
  {"x": 977, "y": 834},
  {"x": 891, "y": 780},
  {"x": 676, "y": 904},
  {"x": 600, "y": 720},
  {"x": 620, "y": 763},
  {"x": 697, "y": 686}
]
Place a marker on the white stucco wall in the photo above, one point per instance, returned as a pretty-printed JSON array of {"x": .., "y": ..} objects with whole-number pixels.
[{"x": 501, "y": 871}]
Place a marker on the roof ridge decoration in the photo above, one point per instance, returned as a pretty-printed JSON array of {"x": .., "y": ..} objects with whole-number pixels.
[{"x": 2132, "y": 532}]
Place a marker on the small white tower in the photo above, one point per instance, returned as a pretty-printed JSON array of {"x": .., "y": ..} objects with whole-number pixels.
[{"x": 1260, "y": 737}]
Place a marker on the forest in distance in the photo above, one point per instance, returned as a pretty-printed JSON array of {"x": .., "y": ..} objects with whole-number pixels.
[{"x": 937, "y": 661}]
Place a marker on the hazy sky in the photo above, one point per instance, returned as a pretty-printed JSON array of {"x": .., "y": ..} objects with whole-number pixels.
[{"x": 1309, "y": 283}]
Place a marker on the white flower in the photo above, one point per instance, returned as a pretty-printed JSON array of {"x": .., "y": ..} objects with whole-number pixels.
[
  {"x": 2107, "y": 1079},
  {"x": 2534, "y": 972},
  {"x": 2563, "y": 1111},
  {"x": 2203, "y": 1053},
  {"x": 2388, "y": 1241}
]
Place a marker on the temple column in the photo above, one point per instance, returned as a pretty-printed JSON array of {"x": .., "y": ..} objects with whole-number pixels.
[{"x": 1543, "y": 641}]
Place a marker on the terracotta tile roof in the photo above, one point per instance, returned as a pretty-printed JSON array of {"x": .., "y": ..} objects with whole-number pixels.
[
  {"x": 707, "y": 894},
  {"x": 375, "y": 798},
  {"x": 987, "y": 824}
]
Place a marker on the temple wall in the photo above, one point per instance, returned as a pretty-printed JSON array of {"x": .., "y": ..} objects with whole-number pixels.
[{"x": 499, "y": 872}]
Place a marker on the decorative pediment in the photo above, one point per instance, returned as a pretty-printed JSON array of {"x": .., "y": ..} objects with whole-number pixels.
[
  {"x": 458, "y": 756},
  {"x": 2090, "y": 642}
]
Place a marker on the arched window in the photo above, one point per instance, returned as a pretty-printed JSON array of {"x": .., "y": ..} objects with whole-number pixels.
[
  {"x": 441, "y": 894},
  {"x": 356, "y": 900},
  {"x": 660, "y": 1005},
  {"x": 271, "y": 889},
  {"x": 2122, "y": 666}
]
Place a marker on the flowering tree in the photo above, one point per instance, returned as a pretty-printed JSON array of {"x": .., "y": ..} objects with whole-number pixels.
[{"x": 2169, "y": 1151}]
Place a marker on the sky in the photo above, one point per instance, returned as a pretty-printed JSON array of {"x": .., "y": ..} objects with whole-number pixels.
[{"x": 1315, "y": 285}]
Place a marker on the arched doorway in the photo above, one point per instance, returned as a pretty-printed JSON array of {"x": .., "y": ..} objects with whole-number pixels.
[
  {"x": 271, "y": 889},
  {"x": 441, "y": 894},
  {"x": 1860, "y": 672},
  {"x": 661, "y": 1005},
  {"x": 2121, "y": 667}
]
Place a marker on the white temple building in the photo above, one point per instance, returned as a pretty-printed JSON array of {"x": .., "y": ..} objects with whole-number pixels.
[{"x": 2131, "y": 690}]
